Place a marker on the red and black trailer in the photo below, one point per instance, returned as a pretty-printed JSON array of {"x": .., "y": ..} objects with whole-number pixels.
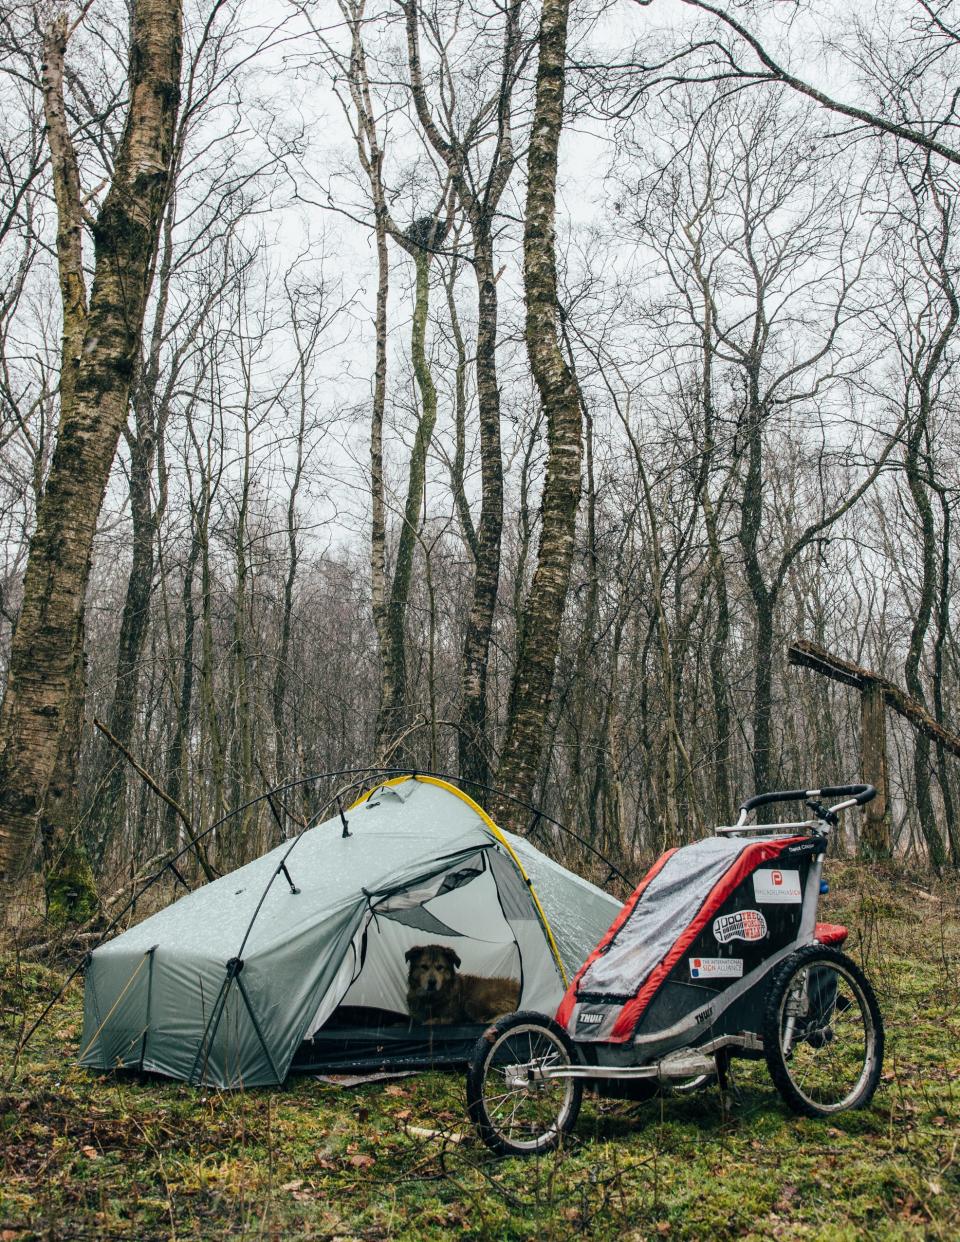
[{"x": 717, "y": 953}]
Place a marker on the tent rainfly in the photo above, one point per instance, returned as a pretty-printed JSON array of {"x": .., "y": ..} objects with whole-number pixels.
[{"x": 274, "y": 968}]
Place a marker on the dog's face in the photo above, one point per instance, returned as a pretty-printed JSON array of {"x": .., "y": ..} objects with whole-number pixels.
[{"x": 433, "y": 968}]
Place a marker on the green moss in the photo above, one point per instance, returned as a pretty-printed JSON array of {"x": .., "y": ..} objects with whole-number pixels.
[{"x": 70, "y": 890}]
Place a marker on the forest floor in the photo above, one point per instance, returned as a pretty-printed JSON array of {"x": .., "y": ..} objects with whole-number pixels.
[{"x": 103, "y": 1157}]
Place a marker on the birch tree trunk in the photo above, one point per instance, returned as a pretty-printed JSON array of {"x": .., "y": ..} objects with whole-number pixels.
[
  {"x": 40, "y": 716},
  {"x": 539, "y": 638},
  {"x": 473, "y": 738}
]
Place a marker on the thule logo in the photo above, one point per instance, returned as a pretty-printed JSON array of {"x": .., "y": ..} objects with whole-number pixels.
[{"x": 589, "y": 1019}]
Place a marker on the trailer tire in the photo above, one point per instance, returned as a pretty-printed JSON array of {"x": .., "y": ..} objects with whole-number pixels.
[
  {"x": 516, "y": 1113},
  {"x": 822, "y": 1033}
]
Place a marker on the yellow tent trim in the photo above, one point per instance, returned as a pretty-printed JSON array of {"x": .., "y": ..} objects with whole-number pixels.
[{"x": 478, "y": 810}]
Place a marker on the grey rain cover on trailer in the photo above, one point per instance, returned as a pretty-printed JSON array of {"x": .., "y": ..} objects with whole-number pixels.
[
  {"x": 164, "y": 997},
  {"x": 668, "y": 905}
]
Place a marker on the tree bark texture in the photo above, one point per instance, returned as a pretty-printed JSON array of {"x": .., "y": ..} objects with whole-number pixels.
[
  {"x": 394, "y": 711},
  {"x": 875, "y": 838},
  {"x": 764, "y": 600},
  {"x": 533, "y": 678},
  {"x": 149, "y": 409},
  {"x": 378, "y": 512},
  {"x": 943, "y": 629},
  {"x": 97, "y": 370},
  {"x": 473, "y": 737},
  {"x": 723, "y": 807},
  {"x": 923, "y": 611}
]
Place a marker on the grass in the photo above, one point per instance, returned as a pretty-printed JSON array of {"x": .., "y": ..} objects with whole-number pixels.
[{"x": 100, "y": 1157}]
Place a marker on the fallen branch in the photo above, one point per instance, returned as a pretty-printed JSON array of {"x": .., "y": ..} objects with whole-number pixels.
[
  {"x": 59, "y": 944},
  {"x": 810, "y": 655}
]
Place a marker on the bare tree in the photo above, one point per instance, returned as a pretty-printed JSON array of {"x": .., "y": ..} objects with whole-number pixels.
[
  {"x": 40, "y": 716},
  {"x": 921, "y": 55},
  {"x": 214, "y": 181},
  {"x": 475, "y": 141},
  {"x": 533, "y": 677},
  {"x": 921, "y": 319}
]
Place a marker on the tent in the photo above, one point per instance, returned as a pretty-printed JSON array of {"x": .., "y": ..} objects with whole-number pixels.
[{"x": 297, "y": 960}]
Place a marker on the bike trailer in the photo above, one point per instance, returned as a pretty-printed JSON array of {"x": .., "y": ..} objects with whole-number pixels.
[{"x": 694, "y": 945}]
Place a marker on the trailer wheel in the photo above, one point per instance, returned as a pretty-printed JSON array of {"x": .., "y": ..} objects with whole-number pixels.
[
  {"x": 518, "y": 1112},
  {"x": 822, "y": 1033}
]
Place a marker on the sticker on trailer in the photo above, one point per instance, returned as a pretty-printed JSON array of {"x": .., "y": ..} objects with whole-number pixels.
[
  {"x": 741, "y": 925},
  {"x": 716, "y": 967},
  {"x": 777, "y": 887},
  {"x": 590, "y": 1020}
]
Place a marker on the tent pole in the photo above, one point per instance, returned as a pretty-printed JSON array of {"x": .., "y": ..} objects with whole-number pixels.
[
  {"x": 146, "y": 1029},
  {"x": 214, "y": 1020},
  {"x": 256, "y": 1027}
]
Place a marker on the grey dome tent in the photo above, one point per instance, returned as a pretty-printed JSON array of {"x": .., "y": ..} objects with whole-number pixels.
[{"x": 296, "y": 960}]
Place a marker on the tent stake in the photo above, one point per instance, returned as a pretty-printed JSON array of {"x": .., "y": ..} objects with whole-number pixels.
[{"x": 343, "y": 819}]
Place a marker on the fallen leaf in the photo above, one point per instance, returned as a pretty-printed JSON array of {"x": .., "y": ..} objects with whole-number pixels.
[
  {"x": 91, "y": 1153},
  {"x": 935, "y": 1187},
  {"x": 293, "y": 1185},
  {"x": 663, "y": 1226},
  {"x": 360, "y": 1161}
]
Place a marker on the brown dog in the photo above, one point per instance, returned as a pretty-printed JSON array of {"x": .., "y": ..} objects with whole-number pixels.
[{"x": 437, "y": 994}]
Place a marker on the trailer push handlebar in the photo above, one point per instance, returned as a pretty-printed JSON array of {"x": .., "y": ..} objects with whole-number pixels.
[
  {"x": 861, "y": 794},
  {"x": 852, "y": 795}
]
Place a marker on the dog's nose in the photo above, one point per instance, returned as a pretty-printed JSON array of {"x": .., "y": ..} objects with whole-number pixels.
[{"x": 431, "y": 985}]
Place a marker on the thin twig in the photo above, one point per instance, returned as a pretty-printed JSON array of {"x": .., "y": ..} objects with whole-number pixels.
[{"x": 198, "y": 849}]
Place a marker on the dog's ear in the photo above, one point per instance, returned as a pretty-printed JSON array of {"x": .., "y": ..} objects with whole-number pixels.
[
  {"x": 452, "y": 955},
  {"x": 412, "y": 953}
]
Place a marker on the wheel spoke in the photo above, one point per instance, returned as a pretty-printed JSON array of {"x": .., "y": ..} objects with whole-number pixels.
[
  {"x": 521, "y": 1109},
  {"x": 825, "y": 1036}
]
